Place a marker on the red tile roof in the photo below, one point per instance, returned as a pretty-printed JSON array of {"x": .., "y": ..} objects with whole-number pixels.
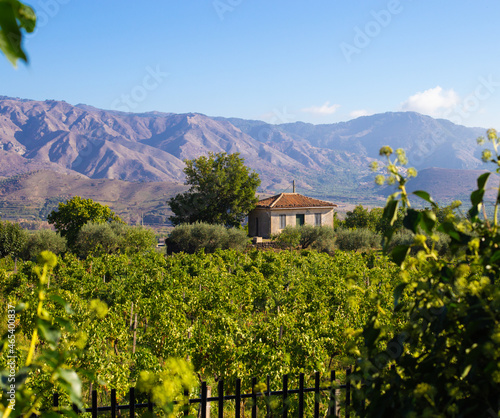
[{"x": 292, "y": 200}]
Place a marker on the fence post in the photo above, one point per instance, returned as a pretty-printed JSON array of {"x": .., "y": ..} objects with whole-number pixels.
[
  {"x": 113, "y": 403},
  {"x": 220, "y": 392},
  {"x": 186, "y": 407},
  {"x": 254, "y": 398},
  {"x": 94, "y": 403},
  {"x": 333, "y": 409},
  {"x": 268, "y": 403},
  {"x": 285, "y": 396},
  {"x": 316, "y": 395},
  {"x": 347, "y": 391},
  {"x": 238, "y": 399},
  {"x": 203, "y": 403},
  {"x": 209, "y": 395},
  {"x": 132, "y": 398},
  {"x": 150, "y": 404},
  {"x": 301, "y": 395}
]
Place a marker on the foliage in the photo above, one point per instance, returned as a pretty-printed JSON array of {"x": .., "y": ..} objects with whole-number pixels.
[
  {"x": 25, "y": 392},
  {"x": 359, "y": 217},
  {"x": 446, "y": 213},
  {"x": 109, "y": 238},
  {"x": 373, "y": 220},
  {"x": 139, "y": 239},
  {"x": 167, "y": 387},
  {"x": 440, "y": 241},
  {"x": 191, "y": 238},
  {"x": 233, "y": 314},
  {"x": 289, "y": 237},
  {"x": 71, "y": 216},
  {"x": 320, "y": 238},
  {"x": 14, "y": 18},
  {"x": 12, "y": 239},
  {"x": 222, "y": 191},
  {"x": 446, "y": 359},
  {"x": 98, "y": 238},
  {"x": 43, "y": 240},
  {"x": 356, "y": 239}
]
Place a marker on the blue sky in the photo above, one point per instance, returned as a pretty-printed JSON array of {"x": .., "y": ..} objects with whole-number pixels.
[{"x": 320, "y": 61}]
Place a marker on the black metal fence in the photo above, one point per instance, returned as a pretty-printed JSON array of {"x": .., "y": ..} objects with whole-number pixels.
[{"x": 331, "y": 394}]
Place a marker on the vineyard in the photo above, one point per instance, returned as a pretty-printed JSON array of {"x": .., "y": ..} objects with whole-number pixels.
[
  {"x": 414, "y": 333},
  {"x": 230, "y": 314}
]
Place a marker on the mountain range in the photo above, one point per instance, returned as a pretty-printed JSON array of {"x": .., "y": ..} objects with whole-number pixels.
[{"x": 329, "y": 161}]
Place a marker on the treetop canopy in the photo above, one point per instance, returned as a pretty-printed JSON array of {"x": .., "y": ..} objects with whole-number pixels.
[
  {"x": 222, "y": 191},
  {"x": 71, "y": 216}
]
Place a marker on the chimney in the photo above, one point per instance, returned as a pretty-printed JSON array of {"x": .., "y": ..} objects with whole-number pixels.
[{"x": 293, "y": 186}]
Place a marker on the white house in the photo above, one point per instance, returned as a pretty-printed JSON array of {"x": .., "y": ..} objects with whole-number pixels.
[{"x": 273, "y": 214}]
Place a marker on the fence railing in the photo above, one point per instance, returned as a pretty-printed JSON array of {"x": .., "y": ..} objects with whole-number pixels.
[{"x": 334, "y": 403}]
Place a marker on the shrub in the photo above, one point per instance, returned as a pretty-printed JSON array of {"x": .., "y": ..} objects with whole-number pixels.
[
  {"x": 44, "y": 240},
  {"x": 356, "y": 239},
  {"x": 288, "y": 238},
  {"x": 190, "y": 238},
  {"x": 138, "y": 239},
  {"x": 108, "y": 238},
  {"x": 236, "y": 239},
  {"x": 97, "y": 238},
  {"x": 320, "y": 238},
  {"x": 406, "y": 237}
]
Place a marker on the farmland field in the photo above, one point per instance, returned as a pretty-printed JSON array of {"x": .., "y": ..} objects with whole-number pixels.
[{"x": 231, "y": 314}]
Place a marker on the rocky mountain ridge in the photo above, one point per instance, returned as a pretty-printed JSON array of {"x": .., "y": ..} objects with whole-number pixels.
[{"x": 325, "y": 160}]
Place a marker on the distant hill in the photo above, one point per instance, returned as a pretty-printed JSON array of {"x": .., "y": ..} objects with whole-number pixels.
[
  {"x": 428, "y": 142},
  {"x": 325, "y": 160},
  {"x": 449, "y": 184},
  {"x": 35, "y": 195}
]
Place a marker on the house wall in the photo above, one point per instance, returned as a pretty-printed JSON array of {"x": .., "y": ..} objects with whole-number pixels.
[
  {"x": 264, "y": 223},
  {"x": 309, "y": 217},
  {"x": 269, "y": 219}
]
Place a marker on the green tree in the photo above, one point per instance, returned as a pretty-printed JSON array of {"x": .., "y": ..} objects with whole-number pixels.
[
  {"x": 12, "y": 239},
  {"x": 359, "y": 217},
  {"x": 222, "y": 191},
  {"x": 14, "y": 18},
  {"x": 373, "y": 220},
  {"x": 71, "y": 216}
]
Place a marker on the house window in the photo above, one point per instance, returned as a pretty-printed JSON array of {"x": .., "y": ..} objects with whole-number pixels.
[
  {"x": 317, "y": 219},
  {"x": 299, "y": 219},
  {"x": 282, "y": 221}
]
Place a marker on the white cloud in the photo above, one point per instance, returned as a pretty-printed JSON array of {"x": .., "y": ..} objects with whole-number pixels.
[
  {"x": 326, "y": 109},
  {"x": 358, "y": 113},
  {"x": 433, "y": 102}
]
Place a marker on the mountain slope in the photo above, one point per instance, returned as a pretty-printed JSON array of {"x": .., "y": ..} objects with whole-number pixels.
[
  {"x": 325, "y": 160},
  {"x": 34, "y": 195},
  {"x": 428, "y": 142}
]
